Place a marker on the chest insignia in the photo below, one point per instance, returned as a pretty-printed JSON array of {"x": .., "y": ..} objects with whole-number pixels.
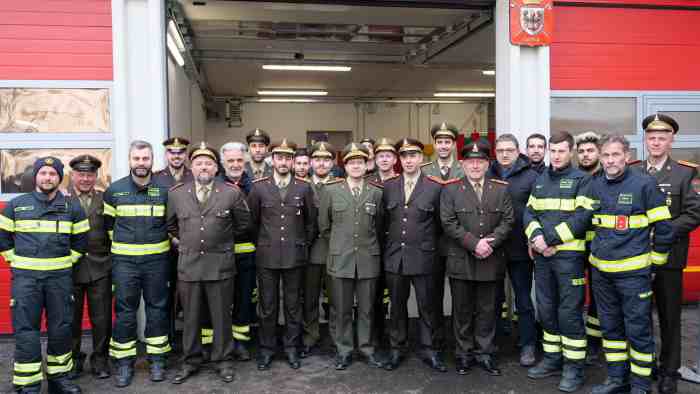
[
  {"x": 153, "y": 192},
  {"x": 120, "y": 194},
  {"x": 24, "y": 208},
  {"x": 624, "y": 199},
  {"x": 566, "y": 183}
]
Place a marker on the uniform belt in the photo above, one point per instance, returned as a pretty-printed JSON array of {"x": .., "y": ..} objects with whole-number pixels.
[
  {"x": 576, "y": 245},
  {"x": 621, "y": 221},
  {"x": 244, "y": 247},
  {"x": 140, "y": 249},
  {"x": 622, "y": 265},
  {"x": 42, "y": 264}
]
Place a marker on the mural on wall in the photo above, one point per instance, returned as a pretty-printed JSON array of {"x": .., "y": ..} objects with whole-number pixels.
[
  {"x": 54, "y": 110},
  {"x": 16, "y": 167}
]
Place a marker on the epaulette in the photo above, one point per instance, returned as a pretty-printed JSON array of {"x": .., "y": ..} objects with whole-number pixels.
[
  {"x": 395, "y": 176},
  {"x": 175, "y": 186},
  {"x": 498, "y": 181},
  {"x": 376, "y": 184},
  {"x": 230, "y": 184},
  {"x": 634, "y": 162},
  {"x": 261, "y": 179},
  {"x": 451, "y": 181},
  {"x": 334, "y": 181},
  {"x": 435, "y": 179},
  {"x": 688, "y": 164},
  {"x": 302, "y": 179},
  {"x": 426, "y": 164}
]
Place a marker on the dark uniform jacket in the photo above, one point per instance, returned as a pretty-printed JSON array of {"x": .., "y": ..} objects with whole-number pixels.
[
  {"x": 96, "y": 263},
  {"x": 206, "y": 231},
  {"x": 413, "y": 228},
  {"x": 267, "y": 171},
  {"x": 538, "y": 167},
  {"x": 319, "y": 249},
  {"x": 284, "y": 228},
  {"x": 353, "y": 228},
  {"x": 433, "y": 168},
  {"x": 520, "y": 178},
  {"x": 466, "y": 220},
  {"x": 135, "y": 216},
  {"x": 679, "y": 182},
  {"x": 37, "y": 234},
  {"x": 166, "y": 178}
]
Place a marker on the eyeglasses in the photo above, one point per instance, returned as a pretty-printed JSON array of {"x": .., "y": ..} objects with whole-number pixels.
[{"x": 502, "y": 151}]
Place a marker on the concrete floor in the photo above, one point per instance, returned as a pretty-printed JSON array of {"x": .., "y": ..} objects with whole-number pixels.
[{"x": 317, "y": 375}]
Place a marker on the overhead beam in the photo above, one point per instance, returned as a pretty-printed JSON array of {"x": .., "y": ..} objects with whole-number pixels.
[{"x": 447, "y": 4}]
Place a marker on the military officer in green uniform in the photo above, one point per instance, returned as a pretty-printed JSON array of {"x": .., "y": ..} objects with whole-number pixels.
[
  {"x": 205, "y": 216},
  {"x": 258, "y": 142},
  {"x": 322, "y": 154},
  {"x": 350, "y": 217},
  {"x": 92, "y": 274},
  {"x": 680, "y": 183},
  {"x": 446, "y": 167},
  {"x": 176, "y": 170}
]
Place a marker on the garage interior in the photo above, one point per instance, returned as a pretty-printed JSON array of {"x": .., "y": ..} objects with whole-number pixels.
[{"x": 409, "y": 67}]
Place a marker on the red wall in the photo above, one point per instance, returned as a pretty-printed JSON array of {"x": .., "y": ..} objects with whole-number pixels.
[{"x": 55, "y": 40}]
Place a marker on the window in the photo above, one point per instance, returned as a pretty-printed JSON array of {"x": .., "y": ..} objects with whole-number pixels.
[{"x": 599, "y": 114}]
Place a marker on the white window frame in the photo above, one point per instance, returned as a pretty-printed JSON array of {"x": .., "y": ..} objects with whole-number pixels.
[{"x": 68, "y": 140}]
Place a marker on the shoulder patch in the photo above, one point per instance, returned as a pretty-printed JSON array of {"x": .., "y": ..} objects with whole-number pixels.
[
  {"x": 376, "y": 184},
  {"x": 261, "y": 179},
  {"x": 302, "y": 179},
  {"x": 498, "y": 181},
  {"x": 426, "y": 164},
  {"x": 334, "y": 181},
  {"x": 688, "y": 164},
  {"x": 451, "y": 181},
  {"x": 177, "y": 185},
  {"x": 634, "y": 162},
  {"x": 230, "y": 184},
  {"x": 435, "y": 179}
]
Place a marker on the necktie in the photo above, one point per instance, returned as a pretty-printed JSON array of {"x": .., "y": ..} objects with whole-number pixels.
[
  {"x": 444, "y": 170},
  {"x": 257, "y": 174},
  {"x": 477, "y": 189},
  {"x": 409, "y": 189},
  {"x": 203, "y": 194},
  {"x": 356, "y": 192},
  {"x": 282, "y": 185},
  {"x": 84, "y": 201},
  {"x": 652, "y": 170}
]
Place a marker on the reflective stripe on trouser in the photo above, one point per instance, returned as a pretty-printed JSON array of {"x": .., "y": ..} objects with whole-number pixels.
[
  {"x": 624, "y": 310},
  {"x": 245, "y": 290},
  {"x": 560, "y": 296},
  {"x": 207, "y": 336},
  {"x": 241, "y": 333},
  {"x": 133, "y": 277},
  {"x": 593, "y": 327},
  {"x": 33, "y": 291}
]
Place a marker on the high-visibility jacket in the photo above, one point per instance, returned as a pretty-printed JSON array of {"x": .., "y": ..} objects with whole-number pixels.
[
  {"x": 560, "y": 208},
  {"x": 42, "y": 235},
  {"x": 630, "y": 207},
  {"x": 135, "y": 218}
]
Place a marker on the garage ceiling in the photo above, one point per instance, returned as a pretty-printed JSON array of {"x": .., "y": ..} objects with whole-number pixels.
[{"x": 394, "y": 51}]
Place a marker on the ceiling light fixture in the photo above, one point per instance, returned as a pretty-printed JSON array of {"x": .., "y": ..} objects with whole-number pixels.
[
  {"x": 292, "y": 93},
  {"x": 174, "y": 52},
  {"x": 427, "y": 101},
  {"x": 464, "y": 94},
  {"x": 286, "y": 100},
  {"x": 488, "y": 72},
  {"x": 172, "y": 31},
  {"x": 293, "y": 67}
]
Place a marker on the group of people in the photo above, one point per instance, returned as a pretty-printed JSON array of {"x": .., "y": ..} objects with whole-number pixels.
[{"x": 222, "y": 237}]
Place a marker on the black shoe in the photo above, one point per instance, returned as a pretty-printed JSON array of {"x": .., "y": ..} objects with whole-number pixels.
[
  {"x": 393, "y": 361},
  {"x": 374, "y": 361},
  {"x": 343, "y": 362},
  {"x": 527, "y": 356},
  {"x": 593, "y": 354},
  {"x": 612, "y": 385},
  {"x": 78, "y": 361},
  {"x": 668, "y": 384},
  {"x": 34, "y": 389},
  {"x": 306, "y": 351},
  {"x": 183, "y": 374},
  {"x": 63, "y": 386},
  {"x": 124, "y": 376},
  {"x": 226, "y": 374},
  {"x": 99, "y": 368},
  {"x": 572, "y": 378},
  {"x": 240, "y": 351},
  {"x": 293, "y": 360},
  {"x": 488, "y": 364},
  {"x": 436, "y": 363},
  {"x": 157, "y": 371},
  {"x": 463, "y": 366},
  {"x": 264, "y": 362}
]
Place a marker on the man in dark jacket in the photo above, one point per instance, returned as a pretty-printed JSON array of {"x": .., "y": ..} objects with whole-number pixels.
[
  {"x": 536, "y": 148},
  {"x": 514, "y": 167}
]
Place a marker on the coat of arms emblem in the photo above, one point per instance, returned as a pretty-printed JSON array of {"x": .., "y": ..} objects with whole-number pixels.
[{"x": 532, "y": 19}]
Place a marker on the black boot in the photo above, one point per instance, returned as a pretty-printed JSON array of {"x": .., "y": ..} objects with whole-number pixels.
[
  {"x": 612, "y": 385},
  {"x": 545, "y": 368},
  {"x": 125, "y": 374},
  {"x": 157, "y": 368},
  {"x": 572, "y": 378},
  {"x": 78, "y": 361},
  {"x": 63, "y": 385}
]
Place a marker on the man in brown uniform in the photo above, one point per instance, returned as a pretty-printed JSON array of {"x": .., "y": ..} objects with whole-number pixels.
[
  {"x": 477, "y": 215},
  {"x": 176, "y": 170},
  {"x": 284, "y": 221},
  {"x": 258, "y": 141},
  {"x": 205, "y": 216},
  {"x": 92, "y": 273}
]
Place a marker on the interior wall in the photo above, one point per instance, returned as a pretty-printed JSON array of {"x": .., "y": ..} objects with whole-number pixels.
[
  {"x": 187, "y": 117},
  {"x": 293, "y": 120}
]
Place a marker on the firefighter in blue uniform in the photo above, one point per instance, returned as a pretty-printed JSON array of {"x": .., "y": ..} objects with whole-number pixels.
[
  {"x": 42, "y": 234},
  {"x": 623, "y": 256},
  {"x": 556, "y": 218},
  {"x": 134, "y": 208}
]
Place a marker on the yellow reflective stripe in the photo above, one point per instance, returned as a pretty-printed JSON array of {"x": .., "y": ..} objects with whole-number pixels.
[
  {"x": 207, "y": 332},
  {"x": 593, "y": 332},
  {"x": 27, "y": 380},
  {"x": 41, "y": 264},
  {"x": 27, "y": 367},
  {"x": 158, "y": 340},
  {"x": 578, "y": 281},
  {"x": 8, "y": 255},
  {"x": 590, "y": 235},
  {"x": 59, "y": 359},
  {"x": 140, "y": 210},
  {"x": 7, "y": 224},
  {"x": 110, "y": 233},
  {"x": 43, "y": 226},
  {"x": 240, "y": 337},
  {"x": 241, "y": 329},
  {"x": 534, "y": 225},
  {"x": 643, "y": 357},
  {"x": 206, "y": 340},
  {"x": 613, "y": 357},
  {"x": 140, "y": 249},
  {"x": 246, "y": 247},
  {"x": 56, "y": 369},
  {"x": 577, "y": 245},
  {"x": 551, "y": 337},
  {"x": 574, "y": 354},
  {"x": 646, "y": 294},
  {"x": 150, "y": 349},
  {"x": 585, "y": 202},
  {"x": 629, "y": 264},
  {"x": 579, "y": 343},
  {"x": 658, "y": 213},
  {"x": 564, "y": 232},
  {"x": 593, "y": 320},
  {"x": 641, "y": 371},
  {"x": 612, "y": 344},
  {"x": 122, "y": 350},
  {"x": 551, "y": 348},
  {"x": 610, "y": 221},
  {"x": 82, "y": 226},
  {"x": 123, "y": 346},
  {"x": 109, "y": 210},
  {"x": 552, "y": 204},
  {"x": 659, "y": 258}
]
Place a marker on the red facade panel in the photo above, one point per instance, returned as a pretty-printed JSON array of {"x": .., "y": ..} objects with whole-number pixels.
[
  {"x": 598, "y": 48},
  {"x": 55, "y": 40}
]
